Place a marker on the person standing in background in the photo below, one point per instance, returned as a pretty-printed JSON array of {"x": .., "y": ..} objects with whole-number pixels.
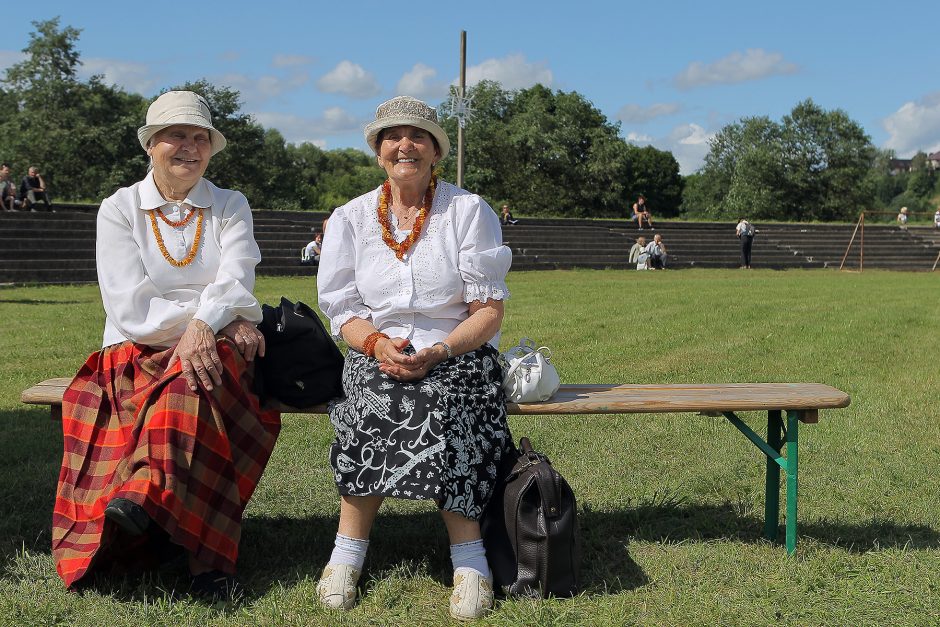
[{"x": 745, "y": 232}]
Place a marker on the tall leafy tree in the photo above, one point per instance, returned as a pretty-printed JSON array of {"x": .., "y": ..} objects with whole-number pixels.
[
  {"x": 554, "y": 153},
  {"x": 80, "y": 134},
  {"x": 813, "y": 165}
]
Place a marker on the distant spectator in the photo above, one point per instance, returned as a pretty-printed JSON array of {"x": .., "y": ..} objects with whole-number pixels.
[
  {"x": 657, "y": 253},
  {"x": 638, "y": 253},
  {"x": 936, "y": 219},
  {"x": 506, "y": 217},
  {"x": 641, "y": 213},
  {"x": 311, "y": 252},
  {"x": 902, "y": 218},
  {"x": 33, "y": 190},
  {"x": 745, "y": 232},
  {"x": 7, "y": 189}
]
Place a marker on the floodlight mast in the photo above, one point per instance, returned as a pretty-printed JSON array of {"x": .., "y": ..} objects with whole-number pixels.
[{"x": 461, "y": 94}]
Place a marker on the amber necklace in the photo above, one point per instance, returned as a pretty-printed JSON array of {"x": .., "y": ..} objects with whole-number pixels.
[
  {"x": 176, "y": 223},
  {"x": 401, "y": 248},
  {"x": 188, "y": 259}
]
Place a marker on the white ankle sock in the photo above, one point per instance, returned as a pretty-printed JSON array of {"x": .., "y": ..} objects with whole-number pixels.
[
  {"x": 470, "y": 555},
  {"x": 350, "y": 551}
]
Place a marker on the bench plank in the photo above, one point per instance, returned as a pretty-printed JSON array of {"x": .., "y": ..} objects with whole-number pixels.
[{"x": 616, "y": 399}]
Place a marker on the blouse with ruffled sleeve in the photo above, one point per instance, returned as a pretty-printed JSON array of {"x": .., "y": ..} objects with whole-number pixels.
[{"x": 459, "y": 258}]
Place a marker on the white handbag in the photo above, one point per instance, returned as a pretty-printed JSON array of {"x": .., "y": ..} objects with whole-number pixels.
[{"x": 528, "y": 373}]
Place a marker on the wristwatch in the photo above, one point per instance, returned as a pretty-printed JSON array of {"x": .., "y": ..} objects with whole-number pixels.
[{"x": 447, "y": 349}]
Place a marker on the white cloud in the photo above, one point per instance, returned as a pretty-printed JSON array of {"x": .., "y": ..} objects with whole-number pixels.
[
  {"x": 10, "y": 57},
  {"x": 512, "y": 72},
  {"x": 419, "y": 83},
  {"x": 636, "y": 114},
  {"x": 134, "y": 77},
  {"x": 258, "y": 89},
  {"x": 688, "y": 143},
  {"x": 915, "y": 126},
  {"x": 349, "y": 79},
  {"x": 290, "y": 60},
  {"x": 297, "y": 129},
  {"x": 639, "y": 138},
  {"x": 230, "y": 55},
  {"x": 737, "y": 67}
]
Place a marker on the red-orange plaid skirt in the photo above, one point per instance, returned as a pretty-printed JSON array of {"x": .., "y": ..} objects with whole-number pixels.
[{"x": 191, "y": 459}]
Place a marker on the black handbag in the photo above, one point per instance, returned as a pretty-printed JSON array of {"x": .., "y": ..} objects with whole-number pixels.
[
  {"x": 530, "y": 529},
  {"x": 302, "y": 365}
]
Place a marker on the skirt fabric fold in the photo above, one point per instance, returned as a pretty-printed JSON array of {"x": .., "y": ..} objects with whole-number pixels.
[{"x": 133, "y": 429}]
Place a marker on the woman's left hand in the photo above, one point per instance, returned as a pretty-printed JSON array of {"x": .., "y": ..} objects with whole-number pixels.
[{"x": 247, "y": 337}]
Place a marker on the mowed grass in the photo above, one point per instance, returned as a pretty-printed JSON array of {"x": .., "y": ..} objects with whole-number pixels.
[{"x": 670, "y": 506}]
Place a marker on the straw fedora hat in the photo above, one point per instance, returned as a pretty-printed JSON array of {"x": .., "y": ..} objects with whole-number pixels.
[
  {"x": 180, "y": 107},
  {"x": 406, "y": 111}
]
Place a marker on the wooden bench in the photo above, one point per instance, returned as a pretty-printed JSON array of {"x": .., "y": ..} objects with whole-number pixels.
[{"x": 800, "y": 402}]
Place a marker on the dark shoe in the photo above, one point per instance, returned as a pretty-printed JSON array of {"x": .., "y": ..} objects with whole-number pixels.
[
  {"x": 127, "y": 515},
  {"x": 215, "y": 585}
]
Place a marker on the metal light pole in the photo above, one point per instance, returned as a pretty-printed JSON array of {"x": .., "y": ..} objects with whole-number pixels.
[{"x": 461, "y": 93}]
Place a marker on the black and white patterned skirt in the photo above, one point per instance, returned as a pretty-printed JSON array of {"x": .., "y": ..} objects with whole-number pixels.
[{"x": 440, "y": 438}]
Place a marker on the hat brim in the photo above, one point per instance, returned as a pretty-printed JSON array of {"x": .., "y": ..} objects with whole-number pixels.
[
  {"x": 373, "y": 129},
  {"x": 146, "y": 132}
]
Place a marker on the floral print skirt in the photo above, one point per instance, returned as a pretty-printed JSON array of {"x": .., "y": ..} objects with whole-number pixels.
[{"x": 440, "y": 438}]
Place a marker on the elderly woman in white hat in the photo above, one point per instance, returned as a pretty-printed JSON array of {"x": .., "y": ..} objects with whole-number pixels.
[
  {"x": 164, "y": 440},
  {"x": 413, "y": 278}
]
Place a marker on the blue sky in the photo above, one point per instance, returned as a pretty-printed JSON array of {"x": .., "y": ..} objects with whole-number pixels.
[{"x": 672, "y": 73}]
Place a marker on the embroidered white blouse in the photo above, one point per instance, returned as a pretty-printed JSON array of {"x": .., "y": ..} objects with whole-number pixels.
[
  {"x": 149, "y": 301},
  {"x": 459, "y": 258}
]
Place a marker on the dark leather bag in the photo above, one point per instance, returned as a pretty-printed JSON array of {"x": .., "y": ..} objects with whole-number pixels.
[
  {"x": 302, "y": 365},
  {"x": 530, "y": 529}
]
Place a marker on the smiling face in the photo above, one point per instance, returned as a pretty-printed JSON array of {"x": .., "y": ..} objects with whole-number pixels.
[
  {"x": 407, "y": 153},
  {"x": 180, "y": 156}
]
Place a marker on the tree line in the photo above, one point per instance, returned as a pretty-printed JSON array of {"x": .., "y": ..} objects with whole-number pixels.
[{"x": 543, "y": 152}]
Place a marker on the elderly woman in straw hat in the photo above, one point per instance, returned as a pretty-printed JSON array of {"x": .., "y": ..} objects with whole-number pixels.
[
  {"x": 164, "y": 440},
  {"x": 413, "y": 278}
]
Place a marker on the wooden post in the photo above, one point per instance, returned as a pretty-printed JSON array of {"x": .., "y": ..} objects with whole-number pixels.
[
  {"x": 461, "y": 93},
  {"x": 861, "y": 220},
  {"x": 861, "y": 246}
]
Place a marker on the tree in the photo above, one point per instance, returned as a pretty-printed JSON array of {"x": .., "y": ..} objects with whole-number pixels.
[
  {"x": 554, "y": 153},
  {"x": 813, "y": 165},
  {"x": 81, "y": 135}
]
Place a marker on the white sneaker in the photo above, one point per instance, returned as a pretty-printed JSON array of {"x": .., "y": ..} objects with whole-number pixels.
[
  {"x": 472, "y": 596},
  {"x": 337, "y": 586}
]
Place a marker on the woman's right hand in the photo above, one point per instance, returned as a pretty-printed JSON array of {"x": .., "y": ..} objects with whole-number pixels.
[{"x": 198, "y": 356}]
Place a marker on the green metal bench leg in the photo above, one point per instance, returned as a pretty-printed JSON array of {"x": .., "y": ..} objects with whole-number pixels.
[
  {"x": 793, "y": 421},
  {"x": 772, "y": 488}
]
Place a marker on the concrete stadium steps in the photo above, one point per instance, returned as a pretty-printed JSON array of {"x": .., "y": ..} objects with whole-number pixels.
[{"x": 60, "y": 247}]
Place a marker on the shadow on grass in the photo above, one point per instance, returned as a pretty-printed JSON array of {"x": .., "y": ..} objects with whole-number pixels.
[
  {"x": 35, "y": 301},
  {"x": 30, "y": 457},
  {"x": 282, "y": 551},
  {"x": 667, "y": 521}
]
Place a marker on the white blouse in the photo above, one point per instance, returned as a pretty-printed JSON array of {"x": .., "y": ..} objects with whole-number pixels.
[
  {"x": 458, "y": 259},
  {"x": 149, "y": 301}
]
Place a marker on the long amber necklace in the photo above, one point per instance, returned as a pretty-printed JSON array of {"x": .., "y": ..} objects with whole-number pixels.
[
  {"x": 188, "y": 259},
  {"x": 401, "y": 248}
]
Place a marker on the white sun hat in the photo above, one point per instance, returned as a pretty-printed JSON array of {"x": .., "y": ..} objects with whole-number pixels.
[
  {"x": 180, "y": 107},
  {"x": 406, "y": 111}
]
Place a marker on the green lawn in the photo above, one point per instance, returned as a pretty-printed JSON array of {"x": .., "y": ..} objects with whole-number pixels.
[{"x": 670, "y": 506}]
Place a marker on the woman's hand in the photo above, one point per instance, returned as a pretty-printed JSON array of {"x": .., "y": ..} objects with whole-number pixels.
[
  {"x": 403, "y": 367},
  {"x": 247, "y": 337},
  {"x": 198, "y": 357}
]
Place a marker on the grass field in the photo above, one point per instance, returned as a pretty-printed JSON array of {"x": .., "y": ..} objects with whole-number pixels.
[{"x": 670, "y": 506}]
